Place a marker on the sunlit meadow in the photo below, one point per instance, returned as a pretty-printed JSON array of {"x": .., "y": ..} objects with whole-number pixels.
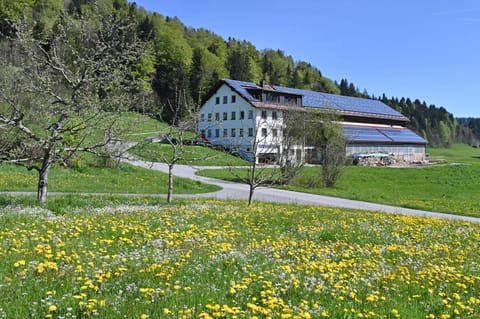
[{"x": 224, "y": 260}]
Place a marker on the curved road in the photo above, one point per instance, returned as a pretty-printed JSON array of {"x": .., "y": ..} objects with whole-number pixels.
[{"x": 231, "y": 190}]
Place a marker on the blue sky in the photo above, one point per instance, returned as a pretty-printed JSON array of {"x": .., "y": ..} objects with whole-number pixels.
[{"x": 425, "y": 49}]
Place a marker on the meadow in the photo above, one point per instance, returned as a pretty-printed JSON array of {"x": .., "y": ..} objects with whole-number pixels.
[
  {"x": 90, "y": 179},
  {"x": 209, "y": 259},
  {"x": 192, "y": 155}
]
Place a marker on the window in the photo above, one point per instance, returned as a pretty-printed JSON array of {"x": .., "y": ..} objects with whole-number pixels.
[
  {"x": 209, "y": 133},
  {"x": 225, "y": 116},
  {"x": 217, "y": 116},
  {"x": 264, "y": 132},
  {"x": 234, "y": 132},
  {"x": 274, "y": 115},
  {"x": 274, "y": 132},
  {"x": 234, "y": 116},
  {"x": 217, "y": 132},
  {"x": 202, "y": 117},
  {"x": 242, "y": 115},
  {"x": 234, "y": 99},
  {"x": 264, "y": 115},
  {"x": 225, "y": 99},
  {"x": 240, "y": 133},
  {"x": 250, "y": 131},
  {"x": 225, "y": 132},
  {"x": 209, "y": 117},
  {"x": 217, "y": 100},
  {"x": 250, "y": 114}
]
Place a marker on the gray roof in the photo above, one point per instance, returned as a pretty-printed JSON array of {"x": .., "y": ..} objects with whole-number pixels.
[{"x": 342, "y": 104}]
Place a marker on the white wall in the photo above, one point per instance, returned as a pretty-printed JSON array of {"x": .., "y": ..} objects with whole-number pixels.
[{"x": 251, "y": 124}]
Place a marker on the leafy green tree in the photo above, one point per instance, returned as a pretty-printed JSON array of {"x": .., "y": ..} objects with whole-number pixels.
[
  {"x": 323, "y": 131},
  {"x": 206, "y": 70},
  {"x": 276, "y": 67},
  {"x": 239, "y": 66},
  {"x": 173, "y": 59}
]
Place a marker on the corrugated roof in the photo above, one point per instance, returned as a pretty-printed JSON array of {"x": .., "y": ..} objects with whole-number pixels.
[{"x": 324, "y": 100}]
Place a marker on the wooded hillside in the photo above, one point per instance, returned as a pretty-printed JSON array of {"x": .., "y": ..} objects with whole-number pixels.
[{"x": 182, "y": 63}]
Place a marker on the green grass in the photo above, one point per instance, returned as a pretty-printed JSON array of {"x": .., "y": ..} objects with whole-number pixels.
[
  {"x": 127, "y": 179},
  {"x": 457, "y": 153},
  {"x": 450, "y": 189},
  {"x": 193, "y": 155},
  {"x": 142, "y": 127},
  {"x": 206, "y": 259}
]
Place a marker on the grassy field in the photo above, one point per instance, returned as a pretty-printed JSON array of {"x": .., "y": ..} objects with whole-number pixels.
[
  {"x": 225, "y": 260},
  {"x": 127, "y": 179},
  {"x": 193, "y": 155},
  {"x": 446, "y": 188},
  {"x": 457, "y": 153}
]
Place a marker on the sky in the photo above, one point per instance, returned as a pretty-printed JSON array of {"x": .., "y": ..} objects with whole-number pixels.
[{"x": 421, "y": 49}]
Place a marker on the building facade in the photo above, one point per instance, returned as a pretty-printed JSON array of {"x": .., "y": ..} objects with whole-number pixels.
[{"x": 248, "y": 118}]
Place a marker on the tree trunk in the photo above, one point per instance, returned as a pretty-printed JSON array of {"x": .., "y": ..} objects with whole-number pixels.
[
  {"x": 42, "y": 189},
  {"x": 170, "y": 184},
  {"x": 250, "y": 195},
  {"x": 252, "y": 181}
]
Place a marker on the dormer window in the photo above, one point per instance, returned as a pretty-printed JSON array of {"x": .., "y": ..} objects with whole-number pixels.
[{"x": 272, "y": 96}]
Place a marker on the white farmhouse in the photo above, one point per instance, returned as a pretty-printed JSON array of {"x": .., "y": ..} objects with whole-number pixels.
[{"x": 248, "y": 118}]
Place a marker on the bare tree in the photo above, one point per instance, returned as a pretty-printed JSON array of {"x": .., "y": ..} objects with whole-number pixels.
[
  {"x": 271, "y": 150},
  {"x": 296, "y": 137},
  {"x": 65, "y": 94},
  {"x": 175, "y": 136}
]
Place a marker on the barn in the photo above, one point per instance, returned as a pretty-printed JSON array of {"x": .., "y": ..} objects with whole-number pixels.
[{"x": 236, "y": 114}]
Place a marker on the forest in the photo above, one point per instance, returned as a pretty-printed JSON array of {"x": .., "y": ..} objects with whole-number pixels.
[{"x": 180, "y": 64}]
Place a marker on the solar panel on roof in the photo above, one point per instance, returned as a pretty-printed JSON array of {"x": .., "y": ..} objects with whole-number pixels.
[
  {"x": 324, "y": 100},
  {"x": 364, "y": 134},
  {"x": 380, "y": 134},
  {"x": 352, "y": 104},
  {"x": 240, "y": 86},
  {"x": 403, "y": 135},
  {"x": 342, "y": 103}
]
